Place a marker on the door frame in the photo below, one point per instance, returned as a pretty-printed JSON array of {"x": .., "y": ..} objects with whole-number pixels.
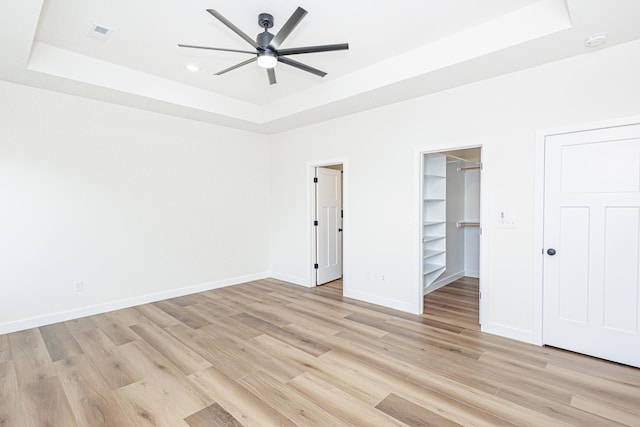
[
  {"x": 484, "y": 206},
  {"x": 538, "y": 209},
  {"x": 311, "y": 203}
]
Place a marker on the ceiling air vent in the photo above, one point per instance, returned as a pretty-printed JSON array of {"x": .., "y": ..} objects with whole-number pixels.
[{"x": 99, "y": 32}]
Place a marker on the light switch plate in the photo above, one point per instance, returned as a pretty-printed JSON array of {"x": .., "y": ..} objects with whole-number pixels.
[{"x": 507, "y": 220}]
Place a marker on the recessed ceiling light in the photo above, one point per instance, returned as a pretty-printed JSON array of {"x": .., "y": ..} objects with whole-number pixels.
[
  {"x": 595, "y": 39},
  {"x": 99, "y": 32},
  {"x": 192, "y": 67}
]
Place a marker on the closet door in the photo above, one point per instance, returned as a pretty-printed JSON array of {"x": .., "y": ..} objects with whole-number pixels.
[
  {"x": 592, "y": 243},
  {"x": 329, "y": 228}
]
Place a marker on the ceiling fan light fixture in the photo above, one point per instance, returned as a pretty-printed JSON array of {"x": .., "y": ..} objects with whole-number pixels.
[{"x": 267, "y": 60}]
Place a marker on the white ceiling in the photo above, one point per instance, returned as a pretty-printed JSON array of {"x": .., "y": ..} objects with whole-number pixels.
[{"x": 398, "y": 50}]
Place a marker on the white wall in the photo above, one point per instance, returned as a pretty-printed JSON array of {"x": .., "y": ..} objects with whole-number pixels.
[
  {"x": 134, "y": 204},
  {"x": 139, "y": 205},
  {"x": 381, "y": 198}
]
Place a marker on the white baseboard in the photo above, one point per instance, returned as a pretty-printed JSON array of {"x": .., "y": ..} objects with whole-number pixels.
[
  {"x": 509, "y": 332},
  {"x": 385, "y": 302},
  {"x": 472, "y": 273},
  {"x": 291, "y": 279},
  {"x": 62, "y": 316},
  {"x": 443, "y": 282}
]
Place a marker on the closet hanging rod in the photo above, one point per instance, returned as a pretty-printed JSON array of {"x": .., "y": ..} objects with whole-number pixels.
[
  {"x": 463, "y": 224},
  {"x": 470, "y": 168}
]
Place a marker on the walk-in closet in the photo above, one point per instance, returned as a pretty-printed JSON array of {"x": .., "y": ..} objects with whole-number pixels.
[{"x": 451, "y": 217}]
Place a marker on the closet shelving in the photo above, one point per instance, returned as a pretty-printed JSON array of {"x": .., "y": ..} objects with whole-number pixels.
[
  {"x": 434, "y": 217},
  {"x": 450, "y": 227}
]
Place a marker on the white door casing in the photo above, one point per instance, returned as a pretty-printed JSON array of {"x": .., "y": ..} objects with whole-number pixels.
[
  {"x": 591, "y": 286},
  {"x": 329, "y": 229}
]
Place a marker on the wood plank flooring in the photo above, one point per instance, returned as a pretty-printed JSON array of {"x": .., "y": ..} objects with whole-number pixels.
[
  {"x": 456, "y": 304},
  {"x": 270, "y": 353}
]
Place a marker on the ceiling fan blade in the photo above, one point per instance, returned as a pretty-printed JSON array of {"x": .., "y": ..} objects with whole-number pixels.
[
  {"x": 248, "y": 61},
  {"x": 216, "y": 48},
  {"x": 284, "y": 32},
  {"x": 271, "y": 73},
  {"x": 233, "y": 28},
  {"x": 314, "y": 49},
  {"x": 302, "y": 66}
]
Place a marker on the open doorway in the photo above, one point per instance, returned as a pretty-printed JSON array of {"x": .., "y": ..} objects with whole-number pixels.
[
  {"x": 451, "y": 234},
  {"x": 327, "y": 219}
]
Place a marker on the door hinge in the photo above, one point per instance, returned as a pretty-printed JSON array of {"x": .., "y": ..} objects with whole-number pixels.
[
  {"x": 315, "y": 266},
  {"x": 315, "y": 223},
  {"x": 341, "y": 213},
  {"x": 315, "y": 179}
]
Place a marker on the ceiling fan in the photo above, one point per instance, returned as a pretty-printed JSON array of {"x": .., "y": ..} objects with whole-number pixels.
[{"x": 267, "y": 46}]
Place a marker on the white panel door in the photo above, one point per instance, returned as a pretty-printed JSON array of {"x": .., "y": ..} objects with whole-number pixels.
[
  {"x": 592, "y": 222},
  {"x": 329, "y": 228}
]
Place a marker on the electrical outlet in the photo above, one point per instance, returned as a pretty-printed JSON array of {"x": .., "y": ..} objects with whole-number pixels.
[{"x": 78, "y": 286}]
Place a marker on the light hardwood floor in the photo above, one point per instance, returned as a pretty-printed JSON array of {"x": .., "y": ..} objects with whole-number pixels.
[{"x": 270, "y": 353}]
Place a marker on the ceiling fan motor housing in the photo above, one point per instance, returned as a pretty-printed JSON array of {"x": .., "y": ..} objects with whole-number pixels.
[
  {"x": 264, "y": 39},
  {"x": 265, "y": 20}
]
